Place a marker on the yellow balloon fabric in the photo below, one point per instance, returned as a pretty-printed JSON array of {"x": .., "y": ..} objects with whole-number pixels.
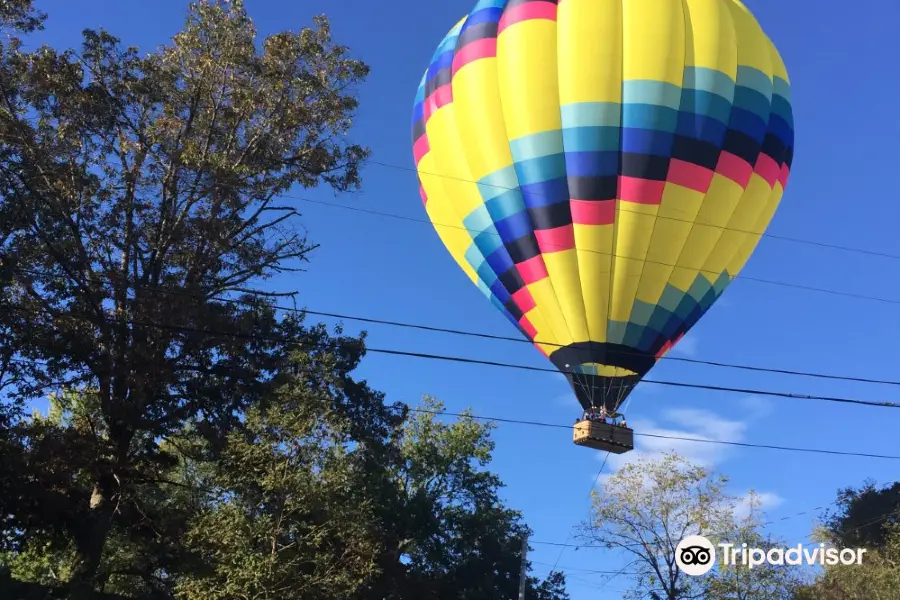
[{"x": 602, "y": 169}]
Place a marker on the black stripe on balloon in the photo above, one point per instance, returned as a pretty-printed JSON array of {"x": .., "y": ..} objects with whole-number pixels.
[
  {"x": 418, "y": 130},
  {"x": 511, "y": 280},
  {"x": 523, "y": 248},
  {"x": 481, "y": 31},
  {"x": 440, "y": 79},
  {"x": 741, "y": 145},
  {"x": 644, "y": 166},
  {"x": 593, "y": 188},
  {"x": 513, "y": 308},
  {"x": 697, "y": 152},
  {"x": 774, "y": 148},
  {"x": 550, "y": 216}
]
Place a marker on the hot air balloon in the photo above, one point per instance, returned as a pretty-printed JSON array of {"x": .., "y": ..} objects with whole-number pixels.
[{"x": 601, "y": 171}]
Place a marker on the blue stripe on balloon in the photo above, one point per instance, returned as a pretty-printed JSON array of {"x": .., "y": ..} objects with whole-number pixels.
[
  {"x": 645, "y": 141},
  {"x": 592, "y": 164},
  {"x": 514, "y": 227}
]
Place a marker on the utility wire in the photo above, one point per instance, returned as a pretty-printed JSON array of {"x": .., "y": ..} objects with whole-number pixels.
[
  {"x": 590, "y": 494},
  {"x": 516, "y": 421},
  {"x": 476, "y": 334},
  {"x": 670, "y": 437},
  {"x": 786, "y": 284},
  {"x": 723, "y": 228},
  {"x": 619, "y": 209},
  {"x": 587, "y": 571},
  {"x": 806, "y": 512},
  {"x": 464, "y": 360},
  {"x": 475, "y": 232}
]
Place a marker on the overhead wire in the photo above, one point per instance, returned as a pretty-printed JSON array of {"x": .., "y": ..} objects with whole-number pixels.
[
  {"x": 566, "y": 544},
  {"x": 416, "y": 171},
  {"x": 786, "y": 284},
  {"x": 646, "y": 261},
  {"x": 673, "y": 437},
  {"x": 517, "y": 421},
  {"x": 795, "y": 240},
  {"x": 487, "y": 336},
  {"x": 806, "y": 512},
  {"x": 466, "y": 360}
]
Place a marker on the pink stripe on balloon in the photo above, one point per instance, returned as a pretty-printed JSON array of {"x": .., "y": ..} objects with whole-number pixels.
[
  {"x": 734, "y": 168},
  {"x": 689, "y": 175},
  {"x": 486, "y": 48},
  {"x": 526, "y": 12}
]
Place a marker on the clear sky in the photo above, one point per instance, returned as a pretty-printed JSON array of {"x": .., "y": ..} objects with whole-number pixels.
[{"x": 842, "y": 191}]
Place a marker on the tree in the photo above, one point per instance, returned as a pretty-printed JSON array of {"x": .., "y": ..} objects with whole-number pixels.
[
  {"x": 447, "y": 533},
  {"x": 877, "y": 578},
  {"x": 298, "y": 512},
  {"x": 136, "y": 192},
  {"x": 865, "y": 516},
  {"x": 20, "y": 15},
  {"x": 646, "y": 508},
  {"x": 203, "y": 444},
  {"x": 762, "y": 582},
  {"x": 552, "y": 588},
  {"x": 147, "y": 553},
  {"x": 288, "y": 510}
]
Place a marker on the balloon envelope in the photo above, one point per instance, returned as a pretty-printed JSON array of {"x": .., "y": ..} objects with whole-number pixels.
[{"x": 603, "y": 170}]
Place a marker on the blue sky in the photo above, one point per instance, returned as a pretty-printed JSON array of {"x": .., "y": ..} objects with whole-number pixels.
[{"x": 841, "y": 192}]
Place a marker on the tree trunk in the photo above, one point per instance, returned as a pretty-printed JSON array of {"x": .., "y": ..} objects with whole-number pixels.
[{"x": 91, "y": 540}]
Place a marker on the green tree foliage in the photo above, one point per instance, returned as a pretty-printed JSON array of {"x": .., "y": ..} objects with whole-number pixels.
[
  {"x": 294, "y": 507},
  {"x": 762, "y": 582},
  {"x": 199, "y": 444},
  {"x": 20, "y": 15},
  {"x": 646, "y": 508},
  {"x": 295, "y": 514},
  {"x": 877, "y": 578},
  {"x": 136, "y": 190},
  {"x": 864, "y": 516},
  {"x": 145, "y": 551}
]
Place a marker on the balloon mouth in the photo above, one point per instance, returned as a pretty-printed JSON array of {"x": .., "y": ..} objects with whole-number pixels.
[
  {"x": 615, "y": 360},
  {"x": 602, "y": 374}
]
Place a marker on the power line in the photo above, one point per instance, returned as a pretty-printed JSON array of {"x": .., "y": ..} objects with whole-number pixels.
[
  {"x": 774, "y": 282},
  {"x": 669, "y": 218},
  {"x": 839, "y": 247},
  {"x": 590, "y": 493},
  {"x": 566, "y": 544},
  {"x": 587, "y": 571},
  {"x": 672, "y": 437},
  {"x": 465, "y": 360},
  {"x": 489, "y": 336},
  {"x": 696, "y": 361},
  {"x": 764, "y": 524},
  {"x": 786, "y": 284}
]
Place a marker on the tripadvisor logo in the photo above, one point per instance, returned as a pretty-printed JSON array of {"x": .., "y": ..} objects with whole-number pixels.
[{"x": 696, "y": 555}]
